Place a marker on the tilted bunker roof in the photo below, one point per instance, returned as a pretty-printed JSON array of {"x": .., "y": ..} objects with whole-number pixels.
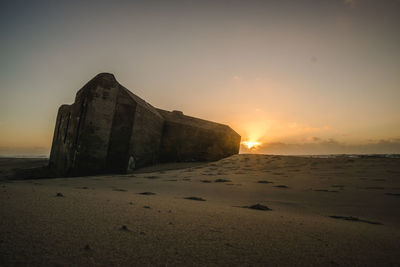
[
  {"x": 141, "y": 102},
  {"x": 178, "y": 117}
]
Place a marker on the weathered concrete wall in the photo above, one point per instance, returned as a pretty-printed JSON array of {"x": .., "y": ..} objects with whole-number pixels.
[
  {"x": 60, "y": 154},
  {"x": 121, "y": 132},
  {"x": 146, "y": 136},
  {"x": 81, "y": 146},
  {"x": 94, "y": 125},
  {"x": 190, "y": 139}
]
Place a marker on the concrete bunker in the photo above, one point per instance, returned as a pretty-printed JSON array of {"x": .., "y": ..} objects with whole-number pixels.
[{"x": 108, "y": 129}]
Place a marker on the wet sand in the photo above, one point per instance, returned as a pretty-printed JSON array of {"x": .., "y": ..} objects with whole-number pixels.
[{"x": 243, "y": 210}]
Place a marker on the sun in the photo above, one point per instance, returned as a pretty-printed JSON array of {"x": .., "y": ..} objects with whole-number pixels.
[{"x": 251, "y": 144}]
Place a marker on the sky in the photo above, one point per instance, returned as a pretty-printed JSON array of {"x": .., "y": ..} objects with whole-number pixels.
[{"x": 299, "y": 77}]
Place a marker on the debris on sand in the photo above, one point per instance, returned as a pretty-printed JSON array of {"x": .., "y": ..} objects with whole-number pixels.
[
  {"x": 281, "y": 186},
  {"x": 265, "y": 182},
  {"x": 354, "y": 219},
  {"x": 206, "y": 181},
  {"x": 59, "y": 195},
  {"x": 147, "y": 193},
  {"x": 195, "y": 198},
  {"x": 221, "y": 181},
  {"x": 257, "y": 207},
  {"x": 146, "y": 207}
]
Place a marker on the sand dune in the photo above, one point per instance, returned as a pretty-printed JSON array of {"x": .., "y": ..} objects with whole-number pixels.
[{"x": 243, "y": 210}]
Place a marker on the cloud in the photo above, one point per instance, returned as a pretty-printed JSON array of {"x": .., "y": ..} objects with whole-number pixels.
[
  {"x": 319, "y": 146},
  {"x": 306, "y": 128}
]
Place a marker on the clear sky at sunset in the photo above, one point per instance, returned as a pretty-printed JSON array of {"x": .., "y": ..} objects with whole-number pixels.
[{"x": 300, "y": 77}]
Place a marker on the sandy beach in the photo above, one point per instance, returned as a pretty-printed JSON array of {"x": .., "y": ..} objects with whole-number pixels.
[{"x": 311, "y": 212}]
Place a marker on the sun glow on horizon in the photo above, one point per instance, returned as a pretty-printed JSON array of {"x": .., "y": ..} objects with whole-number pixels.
[{"x": 251, "y": 144}]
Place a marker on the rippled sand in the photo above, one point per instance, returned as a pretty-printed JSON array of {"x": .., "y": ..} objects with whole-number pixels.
[{"x": 312, "y": 211}]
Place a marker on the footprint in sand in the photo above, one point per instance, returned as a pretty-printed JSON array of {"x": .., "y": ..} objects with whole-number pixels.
[
  {"x": 221, "y": 181},
  {"x": 83, "y": 187},
  {"x": 257, "y": 207},
  {"x": 338, "y": 186},
  {"x": 124, "y": 228},
  {"x": 393, "y": 194},
  {"x": 326, "y": 190},
  {"x": 147, "y": 193},
  {"x": 265, "y": 182},
  {"x": 375, "y": 187},
  {"x": 354, "y": 219},
  {"x": 120, "y": 190},
  {"x": 195, "y": 198},
  {"x": 152, "y": 177}
]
